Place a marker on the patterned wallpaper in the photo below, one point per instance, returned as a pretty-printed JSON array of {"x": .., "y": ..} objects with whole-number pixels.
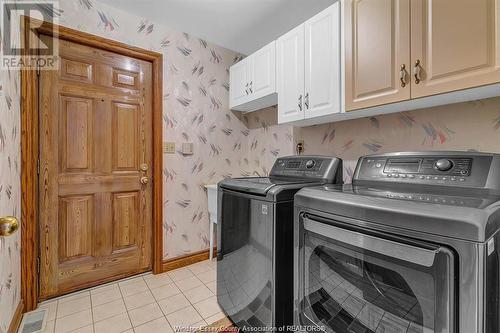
[{"x": 464, "y": 126}]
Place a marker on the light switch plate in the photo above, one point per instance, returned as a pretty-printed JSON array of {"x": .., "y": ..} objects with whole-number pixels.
[
  {"x": 169, "y": 147},
  {"x": 187, "y": 148}
]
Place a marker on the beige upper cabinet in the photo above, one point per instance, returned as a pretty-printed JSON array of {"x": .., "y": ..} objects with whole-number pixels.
[
  {"x": 377, "y": 45},
  {"x": 456, "y": 43}
]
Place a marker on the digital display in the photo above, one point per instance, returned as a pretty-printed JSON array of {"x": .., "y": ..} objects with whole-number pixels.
[
  {"x": 292, "y": 165},
  {"x": 402, "y": 166}
]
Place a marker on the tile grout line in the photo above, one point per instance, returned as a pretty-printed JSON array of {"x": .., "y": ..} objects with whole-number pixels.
[
  {"x": 126, "y": 310},
  {"x": 92, "y": 312}
]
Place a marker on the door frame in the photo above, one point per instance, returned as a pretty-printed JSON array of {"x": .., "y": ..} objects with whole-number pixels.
[{"x": 30, "y": 148}]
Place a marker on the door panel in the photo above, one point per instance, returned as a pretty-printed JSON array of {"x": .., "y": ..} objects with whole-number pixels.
[
  {"x": 76, "y": 218},
  {"x": 456, "y": 43},
  {"x": 322, "y": 63},
  {"x": 95, "y": 125},
  {"x": 290, "y": 75},
  {"x": 377, "y": 44},
  {"x": 124, "y": 134},
  {"x": 263, "y": 69},
  {"x": 126, "y": 217},
  {"x": 77, "y": 140},
  {"x": 239, "y": 74}
]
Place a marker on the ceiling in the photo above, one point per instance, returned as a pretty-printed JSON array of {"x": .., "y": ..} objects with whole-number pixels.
[{"x": 239, "y": 25}]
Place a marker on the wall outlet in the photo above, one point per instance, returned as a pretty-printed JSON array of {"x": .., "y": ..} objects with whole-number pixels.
[
  {"x": 300, "y": 147},
  {"x": 169, "y": 147}
]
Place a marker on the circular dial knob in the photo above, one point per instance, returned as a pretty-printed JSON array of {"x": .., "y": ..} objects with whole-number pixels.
[
  {"x": 310, "y": 164},
  {"x": 443, "y": 165}
]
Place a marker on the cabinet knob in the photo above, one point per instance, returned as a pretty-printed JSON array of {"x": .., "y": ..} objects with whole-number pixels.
[
  {"x": 144, "y": 180},
  {"x": 416, "y": 71},
  {"x": 8, "y": 225}
]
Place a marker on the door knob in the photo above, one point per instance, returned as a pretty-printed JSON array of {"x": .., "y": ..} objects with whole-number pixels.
[
  {"x": 8, "y": 225},
  {"x": 144, "y": 180}
]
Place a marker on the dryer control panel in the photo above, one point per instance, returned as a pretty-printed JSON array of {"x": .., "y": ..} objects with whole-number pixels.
[{"x": 460, "y": 169}]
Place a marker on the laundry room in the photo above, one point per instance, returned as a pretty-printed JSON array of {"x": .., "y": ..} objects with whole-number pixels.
[{"x": 250, "y": 165}]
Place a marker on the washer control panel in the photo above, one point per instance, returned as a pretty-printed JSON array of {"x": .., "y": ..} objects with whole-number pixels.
[
  {"x": 435, "y": 168},
  {"x": 314, "y": 167}
]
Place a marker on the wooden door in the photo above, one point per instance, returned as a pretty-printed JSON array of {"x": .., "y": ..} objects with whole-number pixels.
[
  {"x": 322, "y": 63},
  {"x": 239, "y": 83},
  {"x": 377, "y": 44},
  {"x": 263, "y": 71},
  {"x": 290, "y": 75},
  {"x": 96, "y": 145},
  {"x": 456, "y": 43}
]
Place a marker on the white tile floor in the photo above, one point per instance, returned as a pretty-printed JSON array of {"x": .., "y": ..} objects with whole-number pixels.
[{"x": 147, "y": 303}]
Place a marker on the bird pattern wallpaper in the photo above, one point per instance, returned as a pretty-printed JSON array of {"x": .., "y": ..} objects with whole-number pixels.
[
  {"x": 469, "y": 126},
  {"x": 226, "y": 143}
]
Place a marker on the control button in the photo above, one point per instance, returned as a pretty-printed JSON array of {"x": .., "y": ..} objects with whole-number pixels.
[
  {"x": 389, "y": 175},
  {"x": 395, "y": 175},
  {"x": 445, "y": 178},
  {"x": 422, "y": 177},
  {"x": 462, "y": 179},
  {"x": 428, "y": 177},
  {"x": 443, "y": 165},
  {"x": 436, "y": 178},
  {"x": 378, "y": 165},
  {"x": 464, "y": 172},
  {"x": 453, "y": 178},
  {"x": 402, "y": 176},
  {"x": 411, "y": 176},
  {"x": 310, "y": 164}
]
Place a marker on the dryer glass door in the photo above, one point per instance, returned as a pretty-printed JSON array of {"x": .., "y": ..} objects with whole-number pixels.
[{"x": 350, "y": 281}]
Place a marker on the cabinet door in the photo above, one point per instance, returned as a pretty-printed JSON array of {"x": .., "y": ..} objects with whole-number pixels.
[
  {"x": 290, "y": 75},
  {"x": 322, "y": 63},
  {"x": 263, "y": 71},
  {"x": 377, "y": 44},
  {"x": 457, "y": 44},
  {"x": 238, "y": 83}
]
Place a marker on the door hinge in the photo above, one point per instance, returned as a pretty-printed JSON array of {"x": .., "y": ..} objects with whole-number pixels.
[{"x": 38, "y": 166}]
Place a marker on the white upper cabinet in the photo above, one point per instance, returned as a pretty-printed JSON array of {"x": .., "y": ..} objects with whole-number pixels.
[
  {"x": 252, "y": 82},
  {"x": 263, "y": 71},
  {"x": 290, "y": 75},
  {"x": 239, "y": 82},
  {"x": 308, "y": 68},
  {"x": 322, "y": 63}
]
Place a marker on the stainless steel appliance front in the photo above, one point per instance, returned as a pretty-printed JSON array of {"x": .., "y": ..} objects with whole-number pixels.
[{"x": 400, "y": 251}]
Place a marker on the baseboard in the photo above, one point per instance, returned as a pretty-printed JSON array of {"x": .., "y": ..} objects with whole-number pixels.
[
  {"x": 16, "y": 319},
  {"x": 186, "y": 260}
]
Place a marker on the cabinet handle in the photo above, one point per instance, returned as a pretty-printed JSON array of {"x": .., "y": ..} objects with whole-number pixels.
[
  {"x": 300, "y": 102},
  {"x": 416, "y": 71},
  {"x": 246, "y": 88},
  {"x": 402, "y": 75},
  {"x": 306, "y": 101},
  {"x": 251, "y": 85}
]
